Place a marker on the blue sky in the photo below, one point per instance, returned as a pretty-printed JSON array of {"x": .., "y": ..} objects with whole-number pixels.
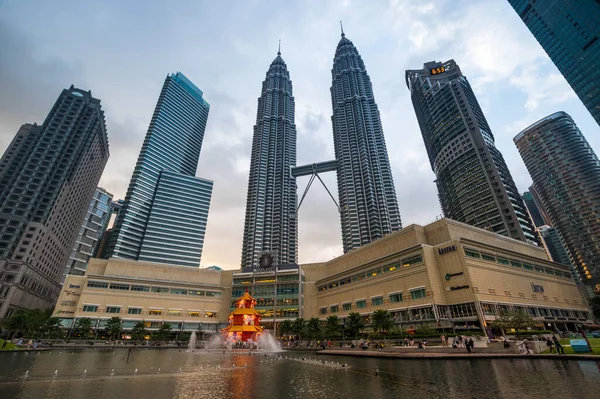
[{"x": 122, "y": 51}]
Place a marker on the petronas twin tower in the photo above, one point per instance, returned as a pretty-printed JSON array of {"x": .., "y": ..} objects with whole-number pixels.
[{"x": 367, "y": 197}]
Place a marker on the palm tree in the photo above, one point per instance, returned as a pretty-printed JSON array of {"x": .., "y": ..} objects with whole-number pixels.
[
  {"x": 354, "y": 323},
  {"x": 299, "y": 325},
  {"x": 382, "y": 321},
  {"x": 285, "y": 327},
  {"x": 51, "y": 326},
  {"x": 139, "y": 329},
  {"x": 84, "y": 327},
  {"x": 314, "y": 327},
  {"x": 333, "y": 325},
  {"x": 114, "y": 326},
  {"x": 164, "y": 330}
]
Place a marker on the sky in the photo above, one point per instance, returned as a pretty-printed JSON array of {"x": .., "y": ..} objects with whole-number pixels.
[{"x": 123, "y": 50}]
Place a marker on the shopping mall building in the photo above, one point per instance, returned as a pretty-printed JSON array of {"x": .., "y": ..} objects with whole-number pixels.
[{"x": 443, "y": 275}]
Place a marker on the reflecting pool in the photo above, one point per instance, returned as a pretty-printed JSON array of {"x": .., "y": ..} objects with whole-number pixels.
[{"x": 144, "y": 373}]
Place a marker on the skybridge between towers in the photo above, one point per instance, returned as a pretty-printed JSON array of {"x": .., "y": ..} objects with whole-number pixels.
[{"x": 313, "y": 171}]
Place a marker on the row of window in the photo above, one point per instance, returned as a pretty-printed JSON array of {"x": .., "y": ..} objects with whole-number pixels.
[
  {"x": 517, "y": 264},
  {"x": 373, "y": 273},
  {"x": 155, "y": 289},
  {"x": 151, "y": 311},
  {"x": 396, "y": 297}
]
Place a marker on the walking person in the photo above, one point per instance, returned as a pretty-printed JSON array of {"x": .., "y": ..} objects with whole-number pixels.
[
  {"x": 559, "y": 348},
  {"x": 550, "y": 346},
  {"x": 472, "y": 345}
]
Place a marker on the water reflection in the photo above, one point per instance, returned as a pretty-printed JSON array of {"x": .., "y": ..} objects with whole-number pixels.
[{"x": 178, "y": 374}]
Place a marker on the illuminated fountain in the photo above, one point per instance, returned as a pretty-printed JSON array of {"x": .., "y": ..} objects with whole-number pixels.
[{"x": 245, "y": 329}]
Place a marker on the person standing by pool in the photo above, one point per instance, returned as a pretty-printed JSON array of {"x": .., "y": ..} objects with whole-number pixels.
[{"x": 559, "y": 348}]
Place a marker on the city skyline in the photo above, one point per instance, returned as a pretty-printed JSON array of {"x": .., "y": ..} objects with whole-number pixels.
[{"x": 516, "y": 86}]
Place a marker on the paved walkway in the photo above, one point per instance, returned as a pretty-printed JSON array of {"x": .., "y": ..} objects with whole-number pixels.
[{"x": 425, "y": 354}]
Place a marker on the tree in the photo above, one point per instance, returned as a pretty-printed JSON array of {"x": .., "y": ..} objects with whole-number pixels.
[
  {"x": 299, "y": 325},
  {"x": 139, "y": 330},
  {"x": 382, "y": 321},
  {"x": 314, "y": 327},
  {"x": 114, "y": 326},
  {"x": 595, "y": 305},
  {"x": 17, "y": 322},
  {"x": 333, "y": 325},
  {"x": 285, "y": 327},
  {"x": 51, "y": 326},
  {"x": 163, "y": 331},
  {"x": 354, "y": 323},
  {"x": 84, "y": 327},
  {"x": 518, "y": 320}
]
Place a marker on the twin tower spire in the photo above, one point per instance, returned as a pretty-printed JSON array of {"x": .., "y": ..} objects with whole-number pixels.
[{"x": 367, "y": 198}]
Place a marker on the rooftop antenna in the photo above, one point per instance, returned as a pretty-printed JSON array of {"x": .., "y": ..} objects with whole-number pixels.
[
  {"x": 279, "y": 50},
  {"x": 342, "y": 28}
]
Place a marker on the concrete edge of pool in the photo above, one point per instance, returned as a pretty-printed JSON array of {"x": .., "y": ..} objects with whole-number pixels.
[{"x": 434, "y": 355}]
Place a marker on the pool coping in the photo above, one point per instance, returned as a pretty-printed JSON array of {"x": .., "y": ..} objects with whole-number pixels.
[{"x": 438, "y": 355}]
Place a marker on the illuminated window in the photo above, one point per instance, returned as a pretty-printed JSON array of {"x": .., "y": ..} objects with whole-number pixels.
[
  {"x": 389, "y": 268},
  {"x": 193, "y": 313},
  {"x": 197, "y": 292},
  {"x": 174, "y": 312},
  {"x": 211, "y": 314},
  {"x": 155, "y": 312}
]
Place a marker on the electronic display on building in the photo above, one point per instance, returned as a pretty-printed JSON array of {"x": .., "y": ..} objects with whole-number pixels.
[{"x": 437, "y": 71}]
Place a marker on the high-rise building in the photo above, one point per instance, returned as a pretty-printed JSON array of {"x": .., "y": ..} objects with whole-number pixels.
[
  {"x": 554, "y": 246},
  {"x": 48, "y": 175},
  {"x": 473, "y": 181},
  {"x": 569, "y": 31},
  {"x": 566, "y": 176},
  {"x": 102, "y": 247},
  {"x": 368, "y": 203},
  {"x": 165, "y": 210},
  {"x": 271, "y": 224},
  {"x": 535, "y": 212},
  {"x": 94, "y": 225}
]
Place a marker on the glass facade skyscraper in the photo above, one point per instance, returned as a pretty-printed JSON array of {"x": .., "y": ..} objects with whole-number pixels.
[
  {"x": 94, "y": 225},
  {"x": 569, "y": 31},
  {"x": 48, "y": 175},
  {"x": 473, "y": 181},
  {"x": 271, "y": 224},
  {"x": 367, "y": 196},
  {"x": 566, "y": 176},
  {"x": 164, "y": 214}
]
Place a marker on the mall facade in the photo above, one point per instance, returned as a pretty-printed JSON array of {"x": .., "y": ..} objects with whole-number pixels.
[{"x": 443, "y": 275}]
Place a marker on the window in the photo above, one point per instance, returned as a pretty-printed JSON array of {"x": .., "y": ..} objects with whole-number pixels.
[
  {"x": 179, "y": 291},
  {"x": 488, "y": 257},
  {"x": 211, "y": 314},
  {"x": 90, "y": 308},
  {"x": 155, "y": 312},
  {"x": 514, "y": 263},
  {"x": 97, "y": 284},
  {"x": 389, "y": 268},
  {"x": 214, "y": 294},
  {"x": 502, "y": 261},
  {"x": 196, "y": 292},
  {"x": 334, "y": 308},
  {"x": 412, "y": 261},
  {"x": 322, "y": 288},
  {"x": 113, "y": 309},
  {"x": 377, "y": 301},
  {"x": 527, "y": 267},
  {"x": 418, "y": 293},
  {"x": 68, "y": 303},
  {"x": 323, "y": 311},
  {"x": 347, "y": 306},
  {"x": 373, "y": 273},
  {"x": 134, "y": 311},
  {"x": 358, "y": 277},
  {"x": 194, "y": 313},
  {"x": 140, "y": 288},
  {"x": 396, "y": 297},
  {"x": 174, "y": 312},
  {"x": 472, "y": 254},
  {"x": 361, "y": 304},
  {"x": 118, "y": 286},
  {"x": 160, "y": 290}
]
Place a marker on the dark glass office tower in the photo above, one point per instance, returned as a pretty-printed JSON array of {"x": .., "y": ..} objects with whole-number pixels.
[
  {"x": 534, "y": 210},
  {"x": 165, "y": 211},
  {"x": 474, "y": 183},
  {"x": 368, "y": 203},
  {"x": 569, "y": 31},
  {"x": 271, "y": 224},
  {"x": 48, "y": 176},
  {"x": 566, "y": 176}
]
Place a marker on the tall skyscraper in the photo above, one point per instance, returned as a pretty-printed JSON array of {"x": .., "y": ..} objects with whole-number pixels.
[
  {"x": 271, "y": 224},
  {"x": 473, "y": 181},
  {"x": 94, "y": 225},
  {"x": 368, "y": 204},
  {"x": 566, "y": 176},
  {"x": 48, "y": 175},
  {"x": 165, "y": 211},
  {"x": 569, "y": 31}
]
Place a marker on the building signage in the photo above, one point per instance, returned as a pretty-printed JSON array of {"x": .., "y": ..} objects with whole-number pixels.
[
  {"x": 537, "y": 288},
  {"x": 437, "y": 71},
  {"x": 266, "y": 263},
  {"x": 459, "y": 287},
  {"x": 450, "y": 275},
  {"x": 445, "y": 250},
  {"x": 69, "y": 292}
]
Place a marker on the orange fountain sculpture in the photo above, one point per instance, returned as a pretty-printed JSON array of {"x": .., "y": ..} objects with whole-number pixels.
[{"x": 244, "y": 321}]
